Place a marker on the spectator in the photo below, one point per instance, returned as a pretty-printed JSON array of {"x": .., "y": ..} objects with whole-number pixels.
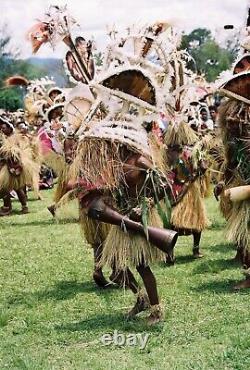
[
  {"x": 214, "y": 114},
  {"x": 205, "y": 122}
]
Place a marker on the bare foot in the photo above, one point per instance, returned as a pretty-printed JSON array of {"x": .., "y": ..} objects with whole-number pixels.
[
  {"x": 117, "y": 279},
  {"x": 52, "y": 210},
  {"x": 170, "y": 260},
  {"x": 100, "y": 280},
  {"x": 5, "y": 211},
  {"x": 242, "y": 284},
  {"x": 155, "y": 316},
  {"x": 25, "y": 210},
  {"x": 239, "y": 256},
  {"x": 197, "y": 254},
  {"x": 141, "y": 305}
]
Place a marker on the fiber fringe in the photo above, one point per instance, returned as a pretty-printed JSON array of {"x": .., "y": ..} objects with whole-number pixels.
[
  {"x": 16, "y": 147},
  {"x": 64, "y": 176},
  {"x": 190, "y": 212},
  {"x": 238, "y": 226},
  {"x": 181, "y": 134},
  {"x": 99, "y": 162},
  {"x": 94, "y": 232},
  {"x": 123, "y": 249},
  {"x": 54, "y": 161}
]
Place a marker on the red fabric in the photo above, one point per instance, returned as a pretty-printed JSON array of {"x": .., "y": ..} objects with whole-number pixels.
[
  {"x": 176, "y": 186},
  {"x": 46, "y": 142}
]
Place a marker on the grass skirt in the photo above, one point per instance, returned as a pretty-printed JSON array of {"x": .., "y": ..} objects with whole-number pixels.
[
  {"x": 54, "y": 161},
  {"x": 95, "y": 232},
  {"x": 18, "y": 148},
  {"x": 28, "y": 176},
  {"x": 62, "y": 181},
  {"x": 126, "y": 249},
  {"x": 226, "y": 206},
  {"x": 205, "y": 184},
  {"x": 190, "y": 212},
  {"x": 238, "y": 226}
]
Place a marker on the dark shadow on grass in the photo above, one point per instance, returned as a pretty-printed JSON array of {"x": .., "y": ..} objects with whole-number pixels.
[
  {"x": 180, "y": 260},
  {"x": 34, "y": 200},
  {"x": 66, "y": 290},
  {"x": 217, "y": 226},
  {"x": 33, "y": 223},
  {"x": 223, "y": 248},
  {"x": 215, "y": 266},
  {"x": 63, "y": 290},
  {"x": 67, "y": 221},
  {"x": 220, "y": 287},
  {"x": 184, "y": 259},
  {"x": 43, "y": 222},
  {"x": 15, "y": 212},
  {"x": 108, "y": 322}
]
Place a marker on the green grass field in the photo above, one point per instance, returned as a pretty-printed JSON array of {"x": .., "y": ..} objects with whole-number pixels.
[{"x": 52, "y": 316}]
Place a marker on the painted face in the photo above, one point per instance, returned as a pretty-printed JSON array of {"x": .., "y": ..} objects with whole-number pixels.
[
  {"x": 6, "y": 129},
  {"x": 56, "y": 124},
  {"x": 54, "y": 94},
  {"x": 23, "y": 129},
  {"x": 57, "y": 113},
  {"x": 39, "y": 122},
  {"x": 174, "y": 153}
]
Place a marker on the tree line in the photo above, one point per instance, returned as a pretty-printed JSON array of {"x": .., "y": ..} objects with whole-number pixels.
[{"x": 209, "y": 59}]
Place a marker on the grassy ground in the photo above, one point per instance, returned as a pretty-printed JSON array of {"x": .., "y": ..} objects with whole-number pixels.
[{"x": 52, "y": 316}]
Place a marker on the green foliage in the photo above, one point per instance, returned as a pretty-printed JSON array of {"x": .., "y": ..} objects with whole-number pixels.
[
  {"x": 211, "y": 51},
  {"x": 52, "y": 316},
  {"x": 98, "y": 57},
  {"x": 209, "y": 58},
  {"x": 198, "y": 36},
  {"x": 12, "y": 98}
]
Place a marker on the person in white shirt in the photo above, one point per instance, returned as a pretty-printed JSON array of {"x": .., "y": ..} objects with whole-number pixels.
[{"x": 205, "y": 122}]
